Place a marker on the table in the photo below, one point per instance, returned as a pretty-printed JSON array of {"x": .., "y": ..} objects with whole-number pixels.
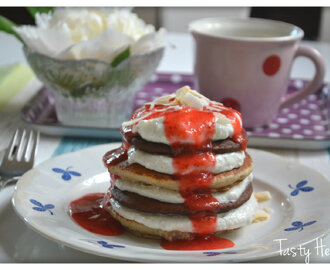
[{"x": 15, "y": 236}]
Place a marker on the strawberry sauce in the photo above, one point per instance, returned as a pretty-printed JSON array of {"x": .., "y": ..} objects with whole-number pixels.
[
  {"x": 235, "y": 120},
  {"x": 194, "y": 170},
  {"x": 88, "y": 212}
]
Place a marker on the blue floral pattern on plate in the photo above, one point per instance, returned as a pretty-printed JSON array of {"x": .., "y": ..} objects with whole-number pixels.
[
  {"x": 42, "y": 208},
  {"x": 298, "y": 225},
  {"x": 107, "y": 245},
  {"x": 66, "y": 174},
  {"x": 212, "y": 253},
  {"x": 300, "y": 187}
]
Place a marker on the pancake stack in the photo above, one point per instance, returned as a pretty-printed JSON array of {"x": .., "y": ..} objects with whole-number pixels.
[{"x": 182, "y": 169}]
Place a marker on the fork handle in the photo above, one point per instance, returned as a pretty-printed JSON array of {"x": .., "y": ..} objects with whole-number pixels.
[{"x": 4, "y": 181}]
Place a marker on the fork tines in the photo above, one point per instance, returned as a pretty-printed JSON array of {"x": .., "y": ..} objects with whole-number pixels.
[
  {"x": 23, "y": 145},
  {"x": 21, "y": 151}
]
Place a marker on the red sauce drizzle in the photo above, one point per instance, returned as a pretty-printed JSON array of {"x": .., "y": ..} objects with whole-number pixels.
[
  {"x": 190, "y": 126},
  {"x": 88, "y": 212},
  {"x": 193, "y": 169},
  {"x": 238, "y": 130}
]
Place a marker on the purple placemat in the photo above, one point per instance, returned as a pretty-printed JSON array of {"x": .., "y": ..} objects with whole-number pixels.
[{"x": 308, "y": 119}]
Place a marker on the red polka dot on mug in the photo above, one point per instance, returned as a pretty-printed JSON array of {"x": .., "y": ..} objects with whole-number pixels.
[{"x": 271, "y": 65}]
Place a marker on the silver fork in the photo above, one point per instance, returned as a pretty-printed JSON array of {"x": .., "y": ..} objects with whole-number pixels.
[{"x": 19, "y": 156}]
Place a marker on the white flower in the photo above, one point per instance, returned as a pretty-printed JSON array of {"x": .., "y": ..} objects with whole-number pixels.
[
  {"x": 104, "y": 46},
  {"x": 128, "y": 23},
  {"x": 95, "y": 33},
  {"x": 81, "y": 23}
]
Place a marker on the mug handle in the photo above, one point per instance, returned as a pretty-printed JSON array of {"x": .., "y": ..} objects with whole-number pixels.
[{"x": 317, "y": 81}]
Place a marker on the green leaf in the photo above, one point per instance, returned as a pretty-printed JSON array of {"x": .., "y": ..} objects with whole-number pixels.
[
  {"x": 7, "y": 26},
  {"x": 34, "y": 10},
  {"x": 121, "y": 57}
]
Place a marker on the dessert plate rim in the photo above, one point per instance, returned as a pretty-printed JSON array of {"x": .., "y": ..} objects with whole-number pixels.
[{"x": 42, "y": 196}]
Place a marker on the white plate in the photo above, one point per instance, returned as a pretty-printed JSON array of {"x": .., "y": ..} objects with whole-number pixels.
[{"x": 300, "y": 203}]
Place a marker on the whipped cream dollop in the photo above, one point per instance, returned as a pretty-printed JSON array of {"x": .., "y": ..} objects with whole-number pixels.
[
  {"x": 232, "y": 219},
  {"x": 164, "y": 164},
  {"x": 171, "y": 196},
  {"x": 153, "y": 129}
]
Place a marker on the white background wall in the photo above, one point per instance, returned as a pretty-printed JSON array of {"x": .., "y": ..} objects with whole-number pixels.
[{"x": 176, "y": 19}]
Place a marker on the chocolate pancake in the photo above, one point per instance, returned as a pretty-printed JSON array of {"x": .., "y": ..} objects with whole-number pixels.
[
  {"x": 138, "y": 173},
  {"x": 141, "y": 203},
  {"x": 218, "y": 147}
]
